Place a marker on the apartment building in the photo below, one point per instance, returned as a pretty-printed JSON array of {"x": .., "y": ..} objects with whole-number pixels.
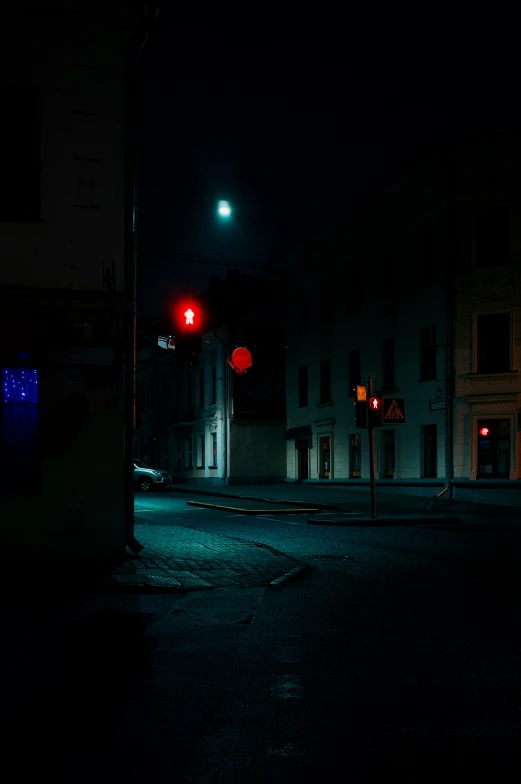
[
  {"x": 62, "y": 279},
  {"x": 419, "y": 289}
]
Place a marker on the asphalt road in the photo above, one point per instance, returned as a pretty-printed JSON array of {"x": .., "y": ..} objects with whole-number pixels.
[{"x": 399, "y": 655}]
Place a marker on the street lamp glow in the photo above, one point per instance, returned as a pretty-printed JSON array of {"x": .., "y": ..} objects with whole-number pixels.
[{"x": 224, "y": 209}]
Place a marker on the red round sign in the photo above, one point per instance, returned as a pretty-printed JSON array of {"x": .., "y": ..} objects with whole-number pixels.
[{"x": 241, "y": 358}]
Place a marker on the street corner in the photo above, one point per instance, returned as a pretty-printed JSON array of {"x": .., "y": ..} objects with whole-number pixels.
[{"x": 177, "y": 559}]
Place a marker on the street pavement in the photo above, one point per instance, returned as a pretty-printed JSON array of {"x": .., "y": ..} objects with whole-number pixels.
[{"x": 397, "y": 655}]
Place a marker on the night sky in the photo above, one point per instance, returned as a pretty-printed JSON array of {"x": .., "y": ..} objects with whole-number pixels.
[{"x": 280, "y": 127}]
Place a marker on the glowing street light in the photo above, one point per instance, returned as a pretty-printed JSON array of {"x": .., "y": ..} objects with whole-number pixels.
[{"x": 224, "y": 209}]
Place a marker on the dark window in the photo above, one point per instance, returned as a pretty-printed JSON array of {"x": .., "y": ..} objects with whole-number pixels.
[
  {"x": 428, "y": 354},
  {"x": 325, "y": 380},
  {"x": 355, "y": 462},
  {"x": 430, "y": 451},
  {"x": 214, "y": 450},
  {"x": 303, "y": 386},
  {"x": 201, "y": 441},
  {"x": 20, "y": 145},
  {"x": 19, "y": 430},
  {"x": 355, "y": 372},
  {"x": 188, "y": 454},
  {"x": 214, "y": 385},
  {"x": 302, "y": 315},
  {"x": 492, "y": 237},
  {"x": 493, "y": 343},
  {"x": 388, "y": 377},
  {"x": 201, "y": 388},
  {"x": 389, "y": 453}
]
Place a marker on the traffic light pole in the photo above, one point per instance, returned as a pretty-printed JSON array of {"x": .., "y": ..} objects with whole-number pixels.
[{"x": 372, "y": 464}]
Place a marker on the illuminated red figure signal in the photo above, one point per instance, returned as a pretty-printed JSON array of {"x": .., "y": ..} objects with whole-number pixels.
[
  {"x": 484, "y": 431},
  {"x": 188, "y": 316},
  {"x": 375, "y": 403}
]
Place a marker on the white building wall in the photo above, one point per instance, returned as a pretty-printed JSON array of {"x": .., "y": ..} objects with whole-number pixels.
[
  {"x": 415, "y": 305},
  {"x": 486, "y": 290}
]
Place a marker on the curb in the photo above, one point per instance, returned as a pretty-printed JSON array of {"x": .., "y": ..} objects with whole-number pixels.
[
  {"x": 294, "y": 574},
  {"x": 329, "y": 507},
  {"x": 239, "y": 510},
  {"x": 369, "y": 522}
]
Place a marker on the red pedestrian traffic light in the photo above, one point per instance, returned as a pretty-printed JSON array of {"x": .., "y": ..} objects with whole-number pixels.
[
  {"x": 484, "y": 431},
  {"x": 374, "y": 413},
  {"x": 188, "y": 316}
]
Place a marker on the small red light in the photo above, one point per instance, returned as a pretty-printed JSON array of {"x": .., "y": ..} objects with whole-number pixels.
[
  {"x": 484, "y": 431},
  {"x": 375, "y": 403}
]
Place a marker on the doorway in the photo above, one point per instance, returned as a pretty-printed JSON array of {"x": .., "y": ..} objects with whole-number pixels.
[
  {"x": 493, "y": 448},
  {"x": 389, "y": 453},
  {"x": 302, "y": 447},
  {"x": 324, "y": 456}
]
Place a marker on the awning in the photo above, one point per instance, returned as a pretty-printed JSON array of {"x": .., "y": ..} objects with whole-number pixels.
[{"x": 296, "y": 433}]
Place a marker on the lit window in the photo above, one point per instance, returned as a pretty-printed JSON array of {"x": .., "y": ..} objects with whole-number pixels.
[{"x": 19, "y": 430}]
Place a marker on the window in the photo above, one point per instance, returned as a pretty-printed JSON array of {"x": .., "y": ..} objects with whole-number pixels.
[
  {"x": 324, "y": 456},
  {"x": 303, "y": 386},
  {"x": 20, "y": 144},
  {"x": 389, "y": 453},
  {"x": 214, "y": 385},
  {"x": 214, "y": 450},
  {"x": 325, "y": 381},
  {"x": 188, "y": 453},
  {"x": 201, "y": 451},
  {"x": 201, "y": 388},
  {"x": 430, "y": 450},
  {"x": 302, "y": 315},
  {"x": 19, "y": 430},
  {"x": 492, "y": 237},
  {"x": 355, "y": 372},
  {"x": 493, "y": 449},
  {"x": 355, "y": 456},
  {"x": 388, "y": 378},
  {"x": 493, "y": 343},
  {"x": 428, "y": 354}
]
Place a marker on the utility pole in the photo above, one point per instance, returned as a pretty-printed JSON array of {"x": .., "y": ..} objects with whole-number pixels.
[
  {"x": 372, "y": 464},
  {"x": 140, "y": 39}
]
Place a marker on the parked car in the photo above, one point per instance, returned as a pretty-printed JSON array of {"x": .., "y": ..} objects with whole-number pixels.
[{"x": 146, "y": 478}]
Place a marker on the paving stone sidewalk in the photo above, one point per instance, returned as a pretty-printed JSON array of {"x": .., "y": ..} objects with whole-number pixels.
[{"x": 184, "y": 559}]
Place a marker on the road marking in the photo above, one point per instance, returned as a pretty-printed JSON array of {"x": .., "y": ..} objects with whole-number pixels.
[
  {"x": 235, "y": 515},
  {"x": 274, "y": 520}
]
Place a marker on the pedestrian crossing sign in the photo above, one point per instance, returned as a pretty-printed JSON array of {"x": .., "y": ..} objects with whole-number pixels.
[{"x": 393, "y": 411}]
